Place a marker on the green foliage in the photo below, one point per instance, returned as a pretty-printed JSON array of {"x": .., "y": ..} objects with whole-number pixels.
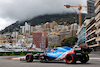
[{"x": 69, "y": 41}]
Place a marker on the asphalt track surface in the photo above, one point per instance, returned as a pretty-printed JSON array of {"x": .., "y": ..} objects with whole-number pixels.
[{"x": 93, "y": 62}]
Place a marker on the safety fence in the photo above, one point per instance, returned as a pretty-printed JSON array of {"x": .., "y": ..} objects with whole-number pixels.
[{"x": 16, "y": 53}]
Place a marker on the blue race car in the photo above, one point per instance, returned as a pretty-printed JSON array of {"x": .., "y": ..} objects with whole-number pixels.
[{"x": 70, "y": 55}]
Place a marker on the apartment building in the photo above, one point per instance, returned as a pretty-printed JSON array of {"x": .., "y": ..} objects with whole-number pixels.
[
  {"x": 27, "y": 29},
  {"x": 93, "y": 29},
  {"x": 90, "y": 33},
  {"x": 39, "y": 39},
  {"x": 97, "y": 18},
  {"x": 81, "y": 35},
  {"x": 15, "y": 34},
  {"x": 90, "y": 7}
]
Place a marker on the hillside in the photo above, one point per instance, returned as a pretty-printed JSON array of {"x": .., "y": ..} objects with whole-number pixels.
[{"x": 68, "y": 17}]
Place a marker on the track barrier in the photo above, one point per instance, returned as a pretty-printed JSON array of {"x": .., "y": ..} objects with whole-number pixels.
[{"x": 16, "y": 53}]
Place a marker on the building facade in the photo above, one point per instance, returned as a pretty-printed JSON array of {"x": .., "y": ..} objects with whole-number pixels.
[
  {"x": 54, "y": 40},
  {"x": 15, "y": 34},
  {"x": 90, "y": 33},
  {"x": 90, "y": 7},
  {"x": 93, "y": 29},
  {"x": 43, "y": 42},
  {"x": 81, "y": 35},
  {"x": 97, "y": 18},
  {"x": 27, "y": 29},
  {"x": 39, "y": 39}
]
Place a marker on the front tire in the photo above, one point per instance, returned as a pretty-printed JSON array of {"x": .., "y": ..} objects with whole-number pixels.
[
  {"x": 70, "y": 59},
  {"x": 29, "y": 57},
  {"x": 84, "y": 58}
]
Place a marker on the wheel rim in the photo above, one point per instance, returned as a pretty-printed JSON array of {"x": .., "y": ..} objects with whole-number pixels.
[{"x": 28, "y": 58}]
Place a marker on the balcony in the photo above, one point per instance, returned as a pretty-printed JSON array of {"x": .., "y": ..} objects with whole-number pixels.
[
  {"x": 98, "y": 38},
  {"x": 98, "y": 20},
  {"x": 97, "y": 2},
  {"x": 90, "y": 33},
  {"x": 93, "y": 45},
  {"x": 91, "y": 39},
  {"x": 97, "y": 16},
  {"x": 90, "y": 22},
  {"x": 90, "y": 27},
  {"x": 97, "y": 9},
  {"x": 97, "y": 31},
  {"x": 97, "y": 24}
]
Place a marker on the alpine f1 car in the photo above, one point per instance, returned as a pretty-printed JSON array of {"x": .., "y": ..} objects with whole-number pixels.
[{"x": 70, "y": 55}]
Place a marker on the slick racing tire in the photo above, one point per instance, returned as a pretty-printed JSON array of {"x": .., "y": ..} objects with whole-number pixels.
[
  {"x": 84, "y": 58},
  {"x": 29, "y": 57},
  {"x": 70, "y": 59}
]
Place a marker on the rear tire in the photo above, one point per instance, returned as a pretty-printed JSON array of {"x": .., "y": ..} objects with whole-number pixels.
[
  {"x": 84, "y": 58},
  {"x": 70, "y": 59},
  {"x": 29, "y": 57}
]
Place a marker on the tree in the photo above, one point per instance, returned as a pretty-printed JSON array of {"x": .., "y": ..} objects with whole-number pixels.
[{"x": 69, "y": 41}]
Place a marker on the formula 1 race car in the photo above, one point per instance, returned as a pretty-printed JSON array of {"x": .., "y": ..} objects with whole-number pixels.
[{"x": 70, "y": 55}]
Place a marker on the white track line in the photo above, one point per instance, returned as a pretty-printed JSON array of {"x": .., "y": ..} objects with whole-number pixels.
[{"x": 95, "y": 58}]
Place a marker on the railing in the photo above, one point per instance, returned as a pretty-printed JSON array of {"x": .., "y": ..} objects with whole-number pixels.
[
  {"x": 88, "y": 34},
  {"x": 97, "y": 9},
  {"x": 93, "y": 45},
  {"x": 97, "y": 16},
  {"x": 97, "y": 2},
  {"x": 98, "y": 39},
  {"x": 97, "y": 24},
  {"x": 90, "y": 27},
  {"x": 91, "y": 39},
  {"x": 97, "y": 31}
]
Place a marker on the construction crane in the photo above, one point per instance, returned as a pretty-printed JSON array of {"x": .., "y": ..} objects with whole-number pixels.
[{"x": 79, "y": 8}]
